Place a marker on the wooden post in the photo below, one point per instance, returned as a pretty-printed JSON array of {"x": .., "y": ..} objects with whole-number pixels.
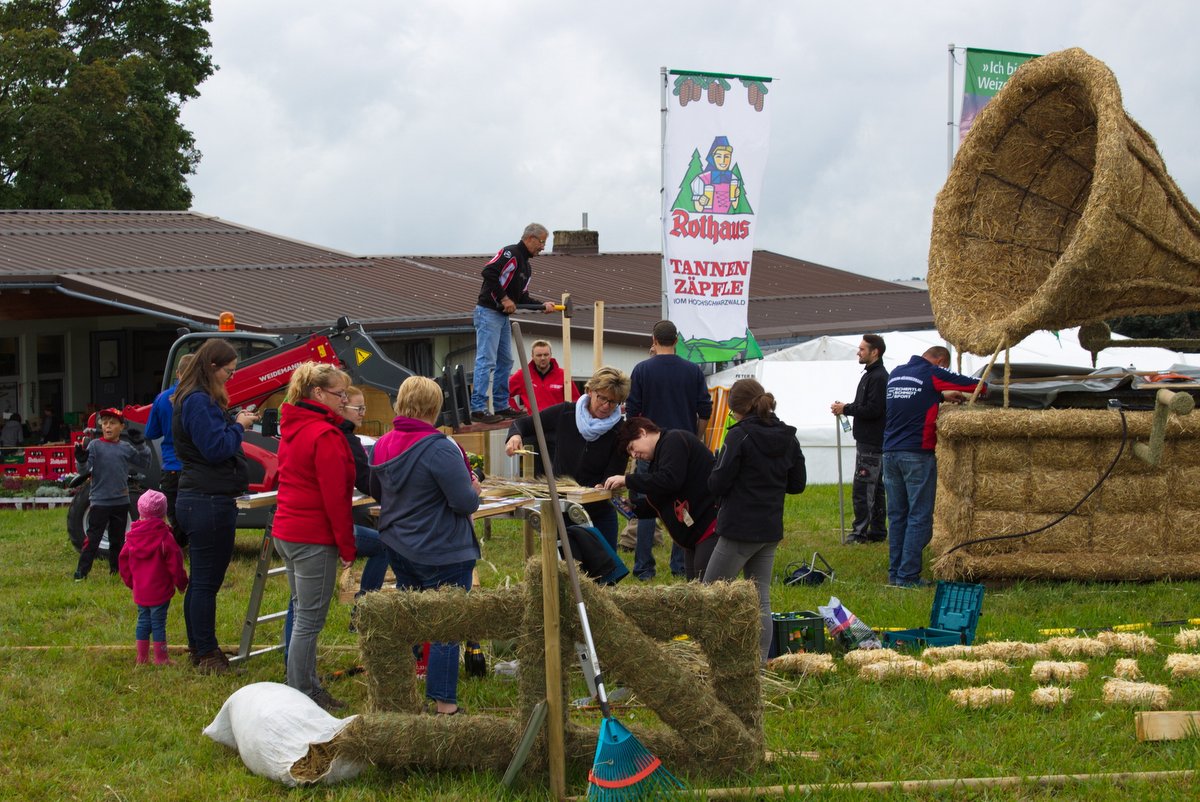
[
  {"x": 566, "y": 351},
  {"x": 555, "y": 738},
  {"x": 597, "y": 336}
]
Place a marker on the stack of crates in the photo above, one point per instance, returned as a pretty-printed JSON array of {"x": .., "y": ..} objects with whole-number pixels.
[
  {"x": 952, "y": 621},
  {"x": 802, "y": 631},
  {"x": 60, "y": 460},
  {"x": 35, "y": 462}
]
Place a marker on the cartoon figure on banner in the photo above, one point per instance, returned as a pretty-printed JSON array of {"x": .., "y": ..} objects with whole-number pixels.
[{"x": 716, "y": 189}]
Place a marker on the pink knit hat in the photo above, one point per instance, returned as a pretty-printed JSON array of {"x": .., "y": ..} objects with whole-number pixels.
[{"x": 152, "y": 504}]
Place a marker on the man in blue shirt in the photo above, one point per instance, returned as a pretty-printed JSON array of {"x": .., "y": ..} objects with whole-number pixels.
[
  {"x": 673, "y": 393},
  {"x": 914, "y": 391},
  {"x": 159, "y": 425}
]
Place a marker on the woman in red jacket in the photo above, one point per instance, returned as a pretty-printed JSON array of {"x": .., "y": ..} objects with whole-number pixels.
[{"x": 313, "y": 528}]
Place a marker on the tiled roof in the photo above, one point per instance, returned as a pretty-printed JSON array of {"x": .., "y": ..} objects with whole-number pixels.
[{"x": 193, "y": 266}]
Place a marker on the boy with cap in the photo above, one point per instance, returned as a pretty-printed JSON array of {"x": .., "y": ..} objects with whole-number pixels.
[
  {"x": 108, "y": 459},
  {"x": 152, "y": 566}
]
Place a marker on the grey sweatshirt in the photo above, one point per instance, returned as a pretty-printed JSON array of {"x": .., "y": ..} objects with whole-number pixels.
[{"x": 110, "y": 469}]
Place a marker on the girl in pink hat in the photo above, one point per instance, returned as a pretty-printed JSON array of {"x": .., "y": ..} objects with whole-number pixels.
[{"x": 152, "y": 565}]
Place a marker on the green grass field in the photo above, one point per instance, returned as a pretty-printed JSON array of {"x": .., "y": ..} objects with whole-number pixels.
[{"x": 81, "y": 721}]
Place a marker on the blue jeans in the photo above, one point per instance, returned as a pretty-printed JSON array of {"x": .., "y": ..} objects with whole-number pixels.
[
  {"x": 910, "y": 479},
  {"x": 493, "y": 360},
  {"x": 367, "y": 544},
  {"x": 441, "y": 676},
  {"x": 209, "y": 522},
  {"x": 152, "y": 620}
]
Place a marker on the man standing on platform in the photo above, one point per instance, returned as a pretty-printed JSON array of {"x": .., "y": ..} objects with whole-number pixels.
[
  {"x": 673, "y": 393},
  {"x": 914, "y": 391},
  {"x": 505, "y": 286},
  {"x": 869, "y": 411},
  {"x": 549, "y": 383}
]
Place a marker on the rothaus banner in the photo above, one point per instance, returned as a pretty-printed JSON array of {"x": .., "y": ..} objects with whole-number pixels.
[
  {"x": 986, "y": 73},
  {"x": 714, "y": 157}
]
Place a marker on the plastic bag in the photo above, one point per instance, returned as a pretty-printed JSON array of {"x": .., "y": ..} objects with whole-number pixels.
[
  {"x": 272, "y": 727},
  {"x": 846, "y": 628}
]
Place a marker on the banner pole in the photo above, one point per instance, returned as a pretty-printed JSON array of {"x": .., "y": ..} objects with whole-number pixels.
[
  {"x": 950, "y": 111},
  {"x": 662, "y": 188}
]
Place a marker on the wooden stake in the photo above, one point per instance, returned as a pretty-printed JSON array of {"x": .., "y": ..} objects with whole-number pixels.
[
  {"x": 566, "y": 352},
  {"x": 1166, "y": 725},
  {"x": 597, "y": 336}
]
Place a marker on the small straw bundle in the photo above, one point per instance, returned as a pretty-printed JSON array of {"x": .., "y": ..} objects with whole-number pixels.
[
  {"x": 1011, "y": 650},
  {"x": 1187, "y": 638},
  {"x": 903, "y": 668},
  {"x": 1127, "y": 668},
  {"x": 1050, "y": 696},
  {"x": 1055, "y": 671},
  {"x": 973, "y": 670},
  {"x": 938, "y": 654},
  {"x": 803, "y": 664},
  {"x": 1183, "y": 666},
  {"x": 863, "y": 657},
  {"x": 1077, "y": 647},
  {"x": 1129, "y": 642},
  {"x": 975, "y": 698},
  {"x": 1135, "y": 694}
]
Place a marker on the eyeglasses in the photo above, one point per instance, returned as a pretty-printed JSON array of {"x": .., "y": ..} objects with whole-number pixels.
[
  {"x": 342, "y": 394},
  {"x": 362, "y": 410},
  {"x": 608, "y": 402},
  {"x": 228, "y": 371}
]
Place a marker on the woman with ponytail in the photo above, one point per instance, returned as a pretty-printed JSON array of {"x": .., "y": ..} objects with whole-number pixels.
[
  {"x": 759, "y": 464},
  {"x": 313, "y": 528}
]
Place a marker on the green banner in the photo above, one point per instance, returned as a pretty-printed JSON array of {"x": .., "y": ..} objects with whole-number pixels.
[{"x": 986, "y": 73}]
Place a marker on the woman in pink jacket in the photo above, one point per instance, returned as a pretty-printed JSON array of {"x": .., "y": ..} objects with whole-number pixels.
[{"x": 152, "y": 566}]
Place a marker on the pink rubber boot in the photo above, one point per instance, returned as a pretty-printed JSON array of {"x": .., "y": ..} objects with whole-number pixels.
[
  {"x": 160, "y": 654},
  {"x": 143, "y": 652}
]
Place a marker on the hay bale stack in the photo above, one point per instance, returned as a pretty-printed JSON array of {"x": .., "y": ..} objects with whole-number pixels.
[
  {"x": 1183, "y": 665},
  {"x": 1056, "y": 671},
  {"x": 939, "y": 654},
  {"x": 973, "y": 670},
  {"x": 1137, "y": 694},
  {"x": 1010, "y": 650},
  {"x": 858, "y": 658},
  {"x": 802, "y": 664},
  {"x": 1127, "y": 668},
  {"x": 902, "y": 668},
  {"x": 1128, "y": 642},
  {"x": 1077, "y": 647},
  {"x": 1050, "y": 696},
  {"x": 976, "y": 698},
  {"x": 1007, "y": 471},
  {"x": 1058, "y": 211}
]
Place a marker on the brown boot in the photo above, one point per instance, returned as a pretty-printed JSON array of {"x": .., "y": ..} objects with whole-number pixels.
[{"x": 214, "y": 662}]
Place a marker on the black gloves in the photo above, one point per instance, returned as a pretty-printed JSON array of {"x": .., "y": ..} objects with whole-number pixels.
[
  {"x": 80, "y": 452},
  {"x": 135, "y": 437}
]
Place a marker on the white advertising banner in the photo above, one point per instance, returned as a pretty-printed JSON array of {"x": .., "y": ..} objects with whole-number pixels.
[{"x": 715, "y": 147}]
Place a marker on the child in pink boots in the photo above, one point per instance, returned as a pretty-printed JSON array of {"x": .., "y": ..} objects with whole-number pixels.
[{"x": 152, "y": 565}]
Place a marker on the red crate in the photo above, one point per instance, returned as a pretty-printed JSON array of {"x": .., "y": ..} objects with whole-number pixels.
[
  {"x": 35, "y": 455},
  {"x": 35, "y": 471},
  {"x": 14, "y": 470},
  {"x": 56, "y": 471},
  {"x": 60, "y": 459}
]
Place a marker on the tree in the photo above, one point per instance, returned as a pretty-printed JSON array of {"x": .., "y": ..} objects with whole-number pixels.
[{"x": 90, "y": 93}]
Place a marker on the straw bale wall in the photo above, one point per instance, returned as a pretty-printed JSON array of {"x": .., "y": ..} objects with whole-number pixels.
[
  {"x": 712, "y": 714},
  {"x": 1006, "y": 471}
]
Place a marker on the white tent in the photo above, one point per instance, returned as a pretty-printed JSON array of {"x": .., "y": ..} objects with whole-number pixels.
[{"x": 808, "y": 377}]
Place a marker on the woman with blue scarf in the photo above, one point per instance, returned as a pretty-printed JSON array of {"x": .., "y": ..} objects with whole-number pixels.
[{"x": 585, "y": 436}]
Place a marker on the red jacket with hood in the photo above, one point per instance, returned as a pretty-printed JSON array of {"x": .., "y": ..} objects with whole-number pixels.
[
  {"x": 316, "y": 479},
  {"x": 151, "y": 563}
]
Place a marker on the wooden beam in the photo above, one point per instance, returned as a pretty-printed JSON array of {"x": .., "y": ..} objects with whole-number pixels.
[{"x": 1167, "y": 725}]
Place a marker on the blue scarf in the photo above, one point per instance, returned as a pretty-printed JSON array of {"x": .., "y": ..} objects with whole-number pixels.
[{"x": 590, "y": 427}]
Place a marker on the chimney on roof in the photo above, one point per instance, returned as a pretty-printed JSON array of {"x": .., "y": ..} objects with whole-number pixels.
[{"x": 581, "y": 241}]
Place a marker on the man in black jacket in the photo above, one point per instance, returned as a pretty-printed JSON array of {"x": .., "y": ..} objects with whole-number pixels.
[
  {"x": 869, "y": 411},
  {"x": 505, "y": 285}
]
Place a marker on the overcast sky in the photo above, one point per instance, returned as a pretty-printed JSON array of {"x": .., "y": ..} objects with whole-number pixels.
[{"x": 421, "y": 127}]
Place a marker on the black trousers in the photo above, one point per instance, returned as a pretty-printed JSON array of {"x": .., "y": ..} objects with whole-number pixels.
[
  {"x": 99, "y": 519},
  {"x": 870, "y": 506},
  {"x": 168, "y": 483}
]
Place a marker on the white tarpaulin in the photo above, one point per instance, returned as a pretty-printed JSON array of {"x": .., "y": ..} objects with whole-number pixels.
[{"x": 806, "y": 378}]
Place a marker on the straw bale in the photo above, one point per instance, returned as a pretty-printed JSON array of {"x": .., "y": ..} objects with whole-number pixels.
[
  {"x": 1058, "y": 490},
  {"x": 973, "y": 670},
  {"x": 996, "y": 490},
  {"x": 1077, "y": 647},
  {"x": 1137, "y": 694},
  {"x": 938, "y": 654},
  {"x": 1184, "y": 484},
  {"x": 1183, "y": 665},
  {"x": 953, "y": 513},
  {"x": 1127, "y": 668},
  {"x": 1181, "y": 531},
  {"x": 804, "y": 664},
  {"x": 1057, "y": 671},
  {"x": 1118, "y": 532},
  {"x": 1002, "y": 455},
  {"x": 858, "y": 658},
  {"x": 1187, "y": 638},
  {"x": 1050, "y": 696},
  {"x": 956, "y": 470},
  {"x": 1067, "y": 454},
  {"x": 975, "y": 698},
  {"x": 1075, "y": 566},
  {"x": 1010, "y": 650},
  {"x": 1129, "y": 642},
  {"x": 1054, "y": 198},
  {"x": 405, "y": 740},
  {"x": 1070, "y": 535},
  {"x": 904, "y": 668},
  {"x": 1122, "y": 493}
]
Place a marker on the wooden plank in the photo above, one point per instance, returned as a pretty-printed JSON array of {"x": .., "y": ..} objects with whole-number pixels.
[
  {"x": 1166, "y": 725},
  {"x": 253, "y": 501}
]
